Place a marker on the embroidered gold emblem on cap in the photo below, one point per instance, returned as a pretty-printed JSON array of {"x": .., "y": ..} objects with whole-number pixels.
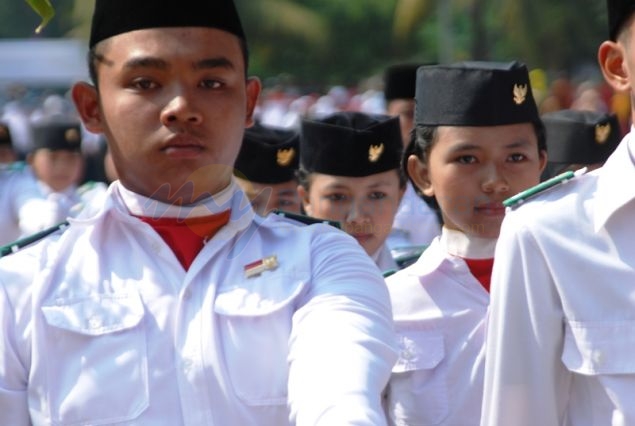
[
  {"x": 375, "y": 152},
  {"x": 520, "y": 93},
  {"x": 602, "y": 132},
  {"x": 3, "y": 132},
  {"x": 284, "y": 157},
  {"x": 71, "y": 136}
]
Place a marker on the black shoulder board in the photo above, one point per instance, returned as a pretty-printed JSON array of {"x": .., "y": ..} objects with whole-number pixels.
[
  {"x": 389, "y": 272},
  {"x": 406, "y": 256},
  {"x": 307, "y": 220},
  {"x": 23, "y": 242}
]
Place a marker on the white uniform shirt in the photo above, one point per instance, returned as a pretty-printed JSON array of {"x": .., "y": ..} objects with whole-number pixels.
[
  {"x": 102, "y": 325},
  {"x": 23, "y": 209},
  {"x": 415, "y": 223},
  {"x": 561, "y": 338},
  {"x": 384, "y": 260},
  {"x": 439, "y": 309}
]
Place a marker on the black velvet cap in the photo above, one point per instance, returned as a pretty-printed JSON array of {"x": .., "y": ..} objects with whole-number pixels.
[
  {"x": 400, "y": 81},
  {"x": 619, "y": 11},
  {"x": 112, "y": 17},
  {"x": 474, "y": 94},
  {"x": 581, "y": 137},
  {"x": 268, "y": 155},
  {"x": 351, "y": 144},
  {"x": 57, "y": 135},
  {"x": 5, "y": 135}
]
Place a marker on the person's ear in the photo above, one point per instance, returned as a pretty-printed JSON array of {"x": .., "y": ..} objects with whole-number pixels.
[
  {"x": 304, "y": 199},
  {"x": 419, "y": 172},
  {"x": 542, "y": 160},
  {"x": 613, "y": 63},
  {"x": 253, "y": 91},
  {"x": 86, "y": 99}
]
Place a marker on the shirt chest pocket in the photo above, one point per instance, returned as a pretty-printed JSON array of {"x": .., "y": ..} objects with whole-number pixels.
[
  {"x": 96, "y": 361},
  {"x": 599, "y": 347},
  {"x": 417, "y": 392},
  {"x": 255, "y": 320}
]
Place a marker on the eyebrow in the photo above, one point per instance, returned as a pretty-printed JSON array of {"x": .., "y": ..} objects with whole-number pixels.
[
  {"x": 161, "y": 64},
  {"x": 345, "y": 187},
  {"x": 468, "y": 146}
]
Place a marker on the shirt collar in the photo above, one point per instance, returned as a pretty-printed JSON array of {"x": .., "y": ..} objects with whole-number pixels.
[
  {"x": 615, "y": 178},
  {"x": 139, "y": 205},
  {"x": 466, "y": 246}
]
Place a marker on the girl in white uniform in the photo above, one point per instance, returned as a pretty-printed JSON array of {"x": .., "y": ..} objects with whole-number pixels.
[
  {"x": 478, "y": 140},
  {"x": 350, "y": 173}
]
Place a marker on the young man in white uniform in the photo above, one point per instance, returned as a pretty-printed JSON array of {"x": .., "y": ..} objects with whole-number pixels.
[
  {"x": 561, "y": 336},
  {"x": 172, "y": 303}
]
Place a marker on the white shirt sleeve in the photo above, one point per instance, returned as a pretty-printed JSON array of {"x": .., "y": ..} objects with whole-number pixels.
[
  {"x": 342, "y": 347},
  {"x": 13, "y": 376},
  {"x": 525, "y": 380}
]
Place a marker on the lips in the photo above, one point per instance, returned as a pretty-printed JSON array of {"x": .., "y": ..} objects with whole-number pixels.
[
  {"x": 183, "y": 146},
  {"x": 491, "y": 209}
]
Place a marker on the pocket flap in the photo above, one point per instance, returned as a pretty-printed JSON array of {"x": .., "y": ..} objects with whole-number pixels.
[
  {"x": 96, "y": 314},
  {"x": 419, "y": 350},
  {"x": 258, "y": 297},
  {"x": 599, "y": 347}
]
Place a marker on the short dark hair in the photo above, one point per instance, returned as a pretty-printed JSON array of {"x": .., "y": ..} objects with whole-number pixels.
[{"x": 95, "y": 57}]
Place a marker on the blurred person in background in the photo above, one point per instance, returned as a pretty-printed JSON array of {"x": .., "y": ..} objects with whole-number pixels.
[
  {"x": 266, "y": 168},
  {"x": 416, "y": 222},
  {"x": 577, "y": 139}
]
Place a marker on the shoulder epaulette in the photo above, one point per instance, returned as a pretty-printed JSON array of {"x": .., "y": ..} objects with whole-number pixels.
[
  {"x": 542, "y": 187},
  {"x": 389, "y": 272},
  {"x": 16, "y": 166},
  {"x": 406, "y": 256},
  {"x": 307, "y": 220},
  {"x": 86, "y": 186},
  {"x": 23, "y": 242}
]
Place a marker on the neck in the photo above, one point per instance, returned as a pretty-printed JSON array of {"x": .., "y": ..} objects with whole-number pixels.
[
  {"x": 467, "y": 246},
  {"x": 139, "y": 205}
]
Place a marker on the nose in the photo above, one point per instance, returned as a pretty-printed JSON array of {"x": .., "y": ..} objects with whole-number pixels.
[
  {"x": 181, "y": 109},
  {"x": 495, "y": 181},
  {"x": 356, "y": 213}
]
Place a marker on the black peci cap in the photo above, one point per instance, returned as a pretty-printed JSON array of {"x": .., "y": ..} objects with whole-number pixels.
[
  {"x": 474, "y": 94},
  {"x": 619, "y": 12},
  {"x": 5, "y": 135},
  {"x": 351, "y": 144},
  {"x": 580, "y": 137},
  {"x": 57, "y": 135},
  {"x": 268, "y": 155},
  {"x": 400, "y": 81},
  {"x": 112, "y": 17}
]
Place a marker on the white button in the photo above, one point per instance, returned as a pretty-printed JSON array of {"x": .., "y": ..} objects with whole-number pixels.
[
  {"x": 187, "y": 294},
  {"x": 407, "y": 354},
  {"x": 156, "y": 247},
  {"x": 187, "y": 365},
  {"x": 598, "y": 357},
  {"x": 95, "y": 322}
]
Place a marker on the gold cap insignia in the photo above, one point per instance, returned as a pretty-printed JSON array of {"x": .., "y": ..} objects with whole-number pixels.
[
  {"x": 284, "y": 157},
  {"x": 375, "y": 152},
  {"x": 71, "y": 136},
  {"x": 520, "y": 93},
  {"x": 602, "y": 132}
]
